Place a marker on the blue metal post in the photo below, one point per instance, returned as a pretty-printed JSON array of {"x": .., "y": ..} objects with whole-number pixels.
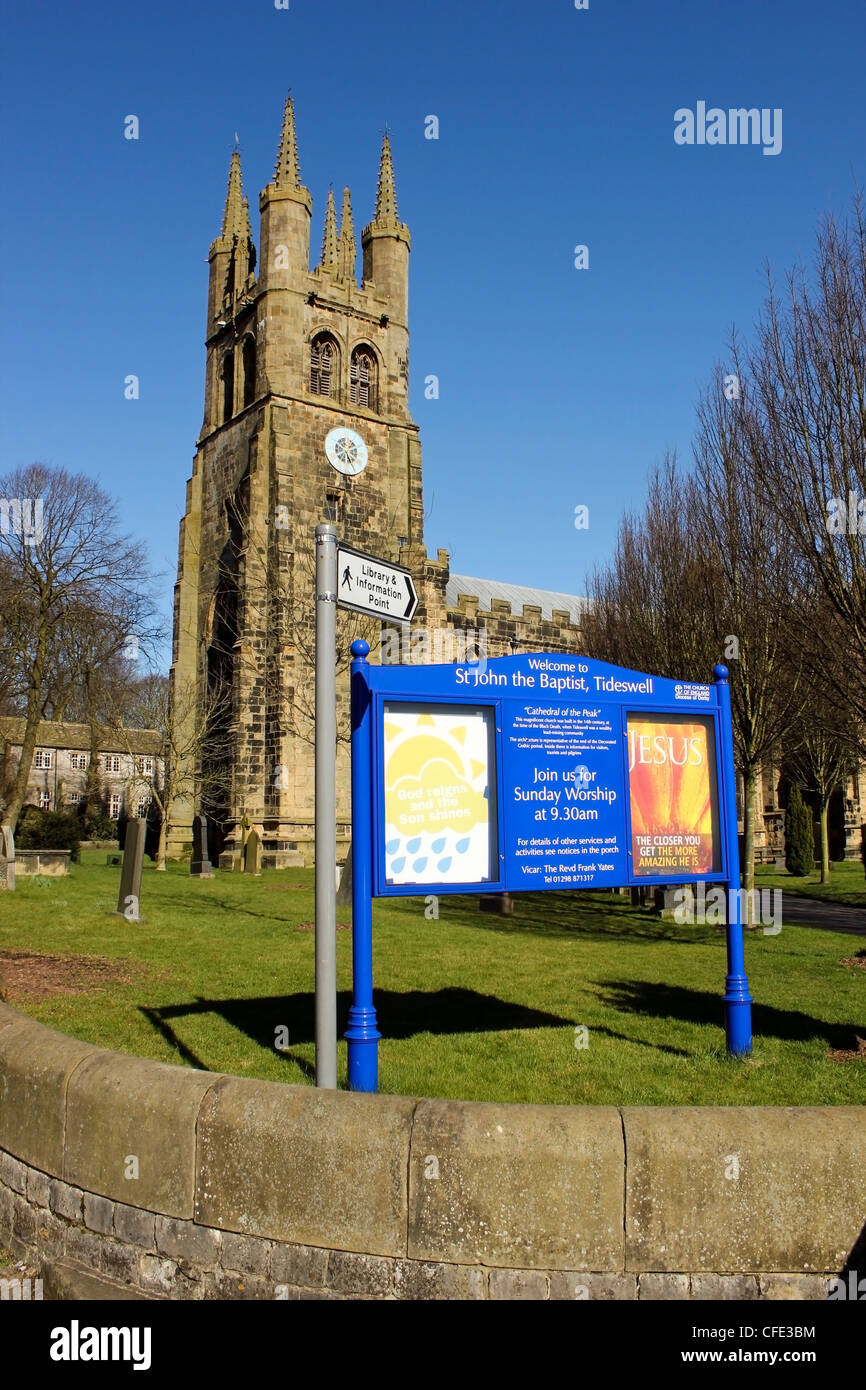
[
  {"x": 362, "y": 1035},
  {"x": 738, "y": 1000}
]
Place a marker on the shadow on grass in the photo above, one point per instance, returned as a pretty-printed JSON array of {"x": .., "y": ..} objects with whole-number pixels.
[
  {"x": 557, "y": 914},
  {"x": 654, "y": 1000},
  {"x": 600, "y": 1029},
  {"x": 400, "y": 1015},
  {"x": 207, "y": 905}
]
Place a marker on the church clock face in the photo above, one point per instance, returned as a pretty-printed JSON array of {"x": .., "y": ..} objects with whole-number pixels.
[{"x": 346, "y": 451}]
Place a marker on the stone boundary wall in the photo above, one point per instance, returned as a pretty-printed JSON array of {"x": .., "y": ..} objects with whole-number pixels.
[{"x": 126, "y": 1178}]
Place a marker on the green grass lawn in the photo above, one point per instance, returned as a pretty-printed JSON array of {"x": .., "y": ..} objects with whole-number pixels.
[
  {"x": 473, "y": 1005},
  {"x": 846, "y": 884}
]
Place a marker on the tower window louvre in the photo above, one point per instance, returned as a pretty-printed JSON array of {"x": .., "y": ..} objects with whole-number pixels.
[
  {"x": 322, "y": 362},
  {"x": 362, "y": 379}
]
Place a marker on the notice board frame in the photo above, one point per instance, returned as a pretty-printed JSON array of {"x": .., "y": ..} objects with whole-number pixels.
[
  {"x": 386, "y": 688},
  {"x": 372, "y": 686}
]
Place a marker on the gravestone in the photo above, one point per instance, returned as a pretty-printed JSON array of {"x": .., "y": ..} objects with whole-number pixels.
[
  {"x": 253, "y": 854},
  {"x": 239, "y": 865},
  {"x": 502, "y": 903},
  {"x": 130, "y": 873},
  {"x": 7, "y": 859},
  {"x": 677, "y": 903},
  {"x": 200, "y": 865},
  {"x": 344, "y": 884}
]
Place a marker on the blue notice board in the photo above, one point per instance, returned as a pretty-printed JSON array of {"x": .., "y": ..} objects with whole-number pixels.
[
  {"x": 536, "y": 772},
  {"x": 544, "y": 772}
]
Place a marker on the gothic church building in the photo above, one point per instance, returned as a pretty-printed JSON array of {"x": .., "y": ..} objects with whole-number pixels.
[{"x": 295, "y": 356}]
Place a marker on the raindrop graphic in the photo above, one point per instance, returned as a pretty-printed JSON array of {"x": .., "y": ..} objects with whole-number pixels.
[
  {"x": 412, "y": 845},
  {"x": 419, "y": 864},
  {"x": 392, "y": 846},
  {"x": 438, "y": 845},
  {"x": 397, "y": 864},
  {"x": 444, "y": 864},
  {"x": 462, "y": 845}
]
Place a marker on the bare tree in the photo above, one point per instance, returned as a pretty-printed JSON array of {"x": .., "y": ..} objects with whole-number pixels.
[
  {"x": 15, "y": 622},
  {"x": 776, "y": 533},
  {"x": 259, "y": 569},
  {"x": 821, "y": 753},
  {"x": 702, "y": 574},
  {"x": 647, "y": 610},
  {"x": 292, "y": 611},
  {"x": 751, "y": 587},
  {"x": 72, "y": 560},
  {"x": 188, "y": 724},
  {"x": 808, "y": 371}
]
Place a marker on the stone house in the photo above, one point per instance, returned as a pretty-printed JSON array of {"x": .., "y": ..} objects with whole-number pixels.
[{"x": 127, "y": 770}]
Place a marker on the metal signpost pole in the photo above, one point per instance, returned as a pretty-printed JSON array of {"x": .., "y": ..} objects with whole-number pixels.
[
  {"x": 326, "y": 806},
  {"x": 738, "y": 1000},
  {"x": 362, "y": 1035}
]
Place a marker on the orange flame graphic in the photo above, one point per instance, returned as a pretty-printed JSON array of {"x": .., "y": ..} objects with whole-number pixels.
[{"x": 670, "y": 793}]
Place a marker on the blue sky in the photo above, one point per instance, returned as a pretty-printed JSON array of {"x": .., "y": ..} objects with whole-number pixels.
[{"x": 558, "y": 387}]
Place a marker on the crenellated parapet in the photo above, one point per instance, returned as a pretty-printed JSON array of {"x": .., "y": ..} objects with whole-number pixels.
[{"x": 507, "y": 627}]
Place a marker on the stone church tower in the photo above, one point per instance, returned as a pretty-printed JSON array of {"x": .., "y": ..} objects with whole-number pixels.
[{"x": 292, "y": 353}]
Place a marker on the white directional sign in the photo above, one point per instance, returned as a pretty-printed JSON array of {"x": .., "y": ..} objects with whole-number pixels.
[{"x": 375, "y": 587}]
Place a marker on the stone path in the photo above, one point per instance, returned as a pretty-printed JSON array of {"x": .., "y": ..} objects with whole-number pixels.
[{"x": 809, "y": 912}]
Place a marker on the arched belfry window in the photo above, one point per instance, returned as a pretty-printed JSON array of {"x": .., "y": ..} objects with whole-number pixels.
[
  {"x": 249, "y": 366},
  {"x": 362, "y": 379},
  {"x": 228, "y": 381},
  {"x": 323, "y": 366}
]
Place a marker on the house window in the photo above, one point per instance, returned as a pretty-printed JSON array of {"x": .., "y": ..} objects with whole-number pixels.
[
  {"x": 78, "y": 761},
  {"x": 45, "y": 801},
  {"x": 114, "y": 806},
  {"x": 41, "y": 758},
  {"x": 362, "y": 379},
  {"x": 323, "y": 356},
  {"x": 143, "y": 805},
  {"x": 74, "y": 798},
  {"x": 112, "y": 764},
  {"x": 145, "y": 767},
  {"x": 332, "y": 506}
]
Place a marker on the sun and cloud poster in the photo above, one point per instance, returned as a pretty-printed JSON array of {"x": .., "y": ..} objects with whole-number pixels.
[
  {"x": 440, "y": 806},
  {"x": 673, "y": 796}
]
